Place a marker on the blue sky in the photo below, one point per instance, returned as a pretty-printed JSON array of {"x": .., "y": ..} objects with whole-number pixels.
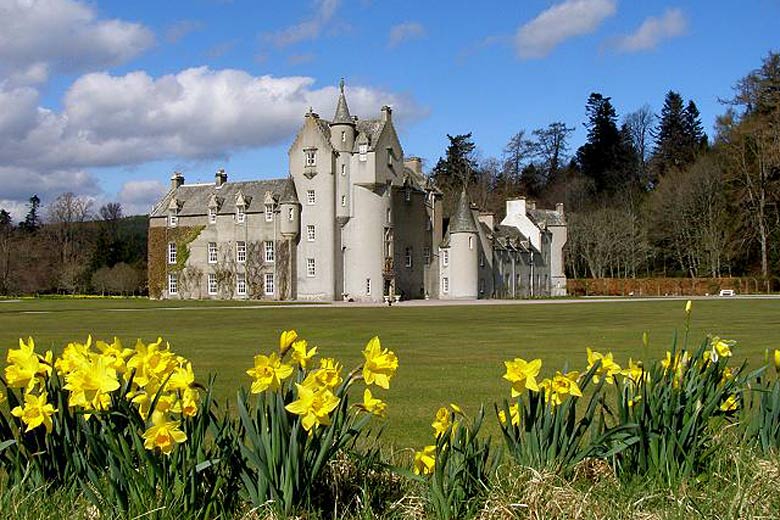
[{"x": 106, "y": 99}]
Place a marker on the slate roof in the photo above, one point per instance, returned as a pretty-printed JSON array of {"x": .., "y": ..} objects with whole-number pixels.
[
  {"x": 463, "y": 220},
  {"x": 342, "y": 110},
  {"x": 194, "y": 199},
  {"x": 371, "y": 128},
  {"x": 548, "y": 217}
]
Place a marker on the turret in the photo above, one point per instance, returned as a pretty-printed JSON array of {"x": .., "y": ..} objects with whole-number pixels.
[
  {"x": 290, "y": 211},
  {"x": 342, "y": 129},
  {"x": 464, "y": 251}
]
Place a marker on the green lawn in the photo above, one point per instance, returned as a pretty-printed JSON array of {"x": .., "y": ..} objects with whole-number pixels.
[{"x": 447, "y": 354}]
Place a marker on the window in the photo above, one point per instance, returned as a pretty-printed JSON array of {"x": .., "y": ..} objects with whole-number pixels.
[
  {"x": 343, "y": 136},
  {"x": 212, "y": 283},
  {"x": 343, "y": 169},
  {"x": 389, "y": 156},
  {"x": 388, "y": 215},
  {"x": 471, "y": 242},
  {"x": 408, "y": 257},
  {"x": 173, "y": 284},
  {"x": 427, "y": 255},
  {"x": 311, "y": 157},
  {"x": 241, "y": 284},
  {"x": 482, "y": 260},
  {"x": 363, "y": 149},
  {"x": 269, "y": 251},
  {"x": 212, "y": 252},
  {"x": 269, "y": 212},
  {"x": 481, "y": 285},
  {"x": 445, "y": 257},
  {"x": 445, "y": 285},
  {"x": 212, "y": 215},
  {"x": 269, "y": 284},
  {"x": 311, "y": 268},
  {"x": 368, "y": 286},
  {"x": 310, "y": 233},
  {"x": 173, "y": 219},
  {"x": 311, "y": 197},
  {"x": 240, "y": 214},
  {"x": 407, "y": 195},
  {"x": 428, "y": 225},
  {"x": 172, "y": 253},
  {"x": 291, "y": 214},
  {"x": 343, "y": 201},
  {"x": 241, "y": 252}
]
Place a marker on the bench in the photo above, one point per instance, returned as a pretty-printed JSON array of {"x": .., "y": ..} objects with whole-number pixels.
[{"x": 726, "y": 292}]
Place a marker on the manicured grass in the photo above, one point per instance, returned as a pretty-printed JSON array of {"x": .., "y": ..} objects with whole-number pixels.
[{"x": 447, "y": 354}]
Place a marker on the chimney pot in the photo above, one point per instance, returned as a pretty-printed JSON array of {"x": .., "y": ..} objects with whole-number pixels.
[
  {"x": 220, "y": 177},
  {"x": 177, "y": 179}
]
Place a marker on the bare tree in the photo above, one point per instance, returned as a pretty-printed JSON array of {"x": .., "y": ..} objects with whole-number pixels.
[
  {"x": 551, "y": 146},
  {"x": 65, "y": 216},
  {"x": 111, "y": 211},
  {"x": 640, "y": 124}
]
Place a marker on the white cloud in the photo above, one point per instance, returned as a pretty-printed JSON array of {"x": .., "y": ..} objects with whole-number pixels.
[
  {"x": 38, "y": 36},
  {"x": 653, "y": 31},
  {"x": 405, "y": 32},
  {"x": 308, "y": 29},
  {"x": 138, "y": 197},
  {"x": 568, "y": 19},
  {"x": 199, "y": 113}
]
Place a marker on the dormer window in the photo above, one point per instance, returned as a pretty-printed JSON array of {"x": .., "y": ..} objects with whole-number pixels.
[
  {"x": 240, "y": 214},
  {"x": 311, "y": 157},
  {"x": 173, "y": 218},
  {"x": 363, "y": 150},
  {"x": 269, "y": 213},
  {"x": 212, "y": 215},
  {"x": 389, "y": 156}
]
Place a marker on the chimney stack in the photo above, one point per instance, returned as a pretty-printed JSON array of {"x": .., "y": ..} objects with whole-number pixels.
[
  {"x": 387, "y": 113},
  {"x": 414, "y": 164},
  {"x": 559, "y": 208},
  {"x": 177, "y": 179},
  {"x": 220, "y": 177}
]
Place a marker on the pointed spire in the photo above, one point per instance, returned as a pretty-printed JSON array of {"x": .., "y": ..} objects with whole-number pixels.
[
  {"x": 342, "y": 110},
  {"x": 463, "y": 220},
  {"x": 289, "y": 196}
]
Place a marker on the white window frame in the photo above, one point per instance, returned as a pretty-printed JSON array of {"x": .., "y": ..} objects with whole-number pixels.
[
  {"x": 390, "y": 156},
  {"x": 173, "y": 283},
  {"x": 270, "y": 251},
  {"x": 172, "y": 253},
  {"x": 310, "y": 158},
  {"x": 270, "y": 284},
  {"x": 471, "y": 242},
  {"x": 343, "y": 201},
  {"x": 445, "y": 284},
  {"x": 211, "y": 284},
  {"x": 291, "y": 214},
  {"x": 368, "y": 286},
  {"x": 408, "y": 257},
  {"x": 311, "y": 232},
  {"x": 363, "y": 150},
  {"x": 241, "y": 252},
  {"x": 343, "y": 170},
  {"x": 173, "y": 219},
  {"x": 445, "y": 257},
  {"x": 343, "y": 136},
  {"x": 269, "y": 212},
  {"x": 311, "y": 268},
  {"x": 212, "y": 215},
  {"x": 389, "y": 216},
  {"x": 240, "y": 214},
  {"x": 211, "y": 252},
  {"x": 311, "y": 197},
  {"x": 241, "y": 284}
]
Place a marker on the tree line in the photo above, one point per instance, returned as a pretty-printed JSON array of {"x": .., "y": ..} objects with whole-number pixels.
[
  {"x": 647, "y": 194},
  {"x": 71, "y": 249}
]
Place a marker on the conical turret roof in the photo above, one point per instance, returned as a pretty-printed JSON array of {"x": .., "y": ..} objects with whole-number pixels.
[
  {"x": 342, "y": 115},
  {"x": 463, "y": 220},
  {"x": 289, "y": 196}
]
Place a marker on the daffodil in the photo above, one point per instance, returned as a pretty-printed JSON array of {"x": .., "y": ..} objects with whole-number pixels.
[
  {"x": 299, "y": 353},
  {"x": 514, "y": 415},
  {"x": 522, "y": 374},
  {"x": 26, "y": 368},
  {"x": 730, "y": 404},
  {"x": 36, "y": 411},
  {"x": 560, "y": 386},
  {"x": 163, "y": 434},
  {"x": 286, "y": 339},
  {"x": 380, "y": 364},
  {"x": 372, "y": 405},
  {"x": 73, "y": 356},
  {"x": 189, "y": 402},
  {"x": 115, "y": 353},
  {"x": 91, "y": 384},
  {"x": 327, "y": 376},
  {"x": 182, "y": 378},
  {"x": 688, "y": 307},
  {"x": 777, "y": 360},
  {"x": 607, "y": 368},
  {"x": 634, "y": 372},
  {"x": 441, "y": 422},
  {"x": 425, "y": 460},
  {"x": 314, "y": 406},
  {"x": 721, "y": 347},
  {"x": 268, "y": 373},
  {"x": 152, "y": 364}
]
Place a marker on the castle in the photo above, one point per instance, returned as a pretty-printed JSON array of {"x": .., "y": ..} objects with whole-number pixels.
[{"x": 355, "y": 220}]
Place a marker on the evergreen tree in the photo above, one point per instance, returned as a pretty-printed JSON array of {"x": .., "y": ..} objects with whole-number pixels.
[
  {"x": 6, "y": 222},
  {"x": 680, "y": 135},
  {"x": 456, "y": 170},
  {"x": 693, "y": 127},
  {"x": 32, "y": 221}
]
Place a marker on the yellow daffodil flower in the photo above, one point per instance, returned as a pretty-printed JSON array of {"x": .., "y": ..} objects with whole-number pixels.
[
  {"x": 721, "y": 347},
  {"x": 36, "y": 411},
  {"x": 163, "y": 434},
  {"x": 268, "y": 373},
  {"x": 189, "y": 402},
  {"x": 608, "y": 368},
  {"x": 560, "y": 386},
  {"x": 299, "y": 353},
  {"x": 327, "y": 376},
  {"x": 115, "y": 353},
  {"x": 372, "y": 405},
  {"x": 25, "y": 368},
  {"x": 425, "y": 461},
  {"x": 522, "y": 374},
  {"x": 380, "y": 364},
  {"x": 730, "y": 404},
  {"x": 73, "y": 356},
  {"x": 90, "y": 384},
  {"x": 314, "y": 406},
  {"x": 152, "y": 364},
  {"x": 286, "y": 338},
  {"x": 514, "y": 415},
  {"x": 777, "y": 360},
  {"x": 441, "y": 422},
  {"x": 634, "y": 372},
  {"x": 183, "y": 377},
  {"x": 688, "y": 307}
]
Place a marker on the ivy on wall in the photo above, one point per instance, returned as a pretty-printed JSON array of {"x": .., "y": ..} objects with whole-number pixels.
[{"x": 159, "y": 237}]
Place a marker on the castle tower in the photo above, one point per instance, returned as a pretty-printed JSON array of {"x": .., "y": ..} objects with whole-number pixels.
[
  {"x": 464, "y": 252},
  {"x": 342, "y": 129},
  {"x": 289, "y": 228}
]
